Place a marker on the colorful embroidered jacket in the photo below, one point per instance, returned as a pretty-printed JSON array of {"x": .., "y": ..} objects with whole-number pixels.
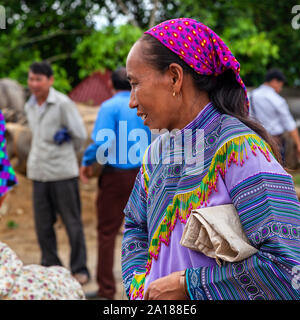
[
  {"x": 7, "y": 174},
  {"x": 239, "y": 168}
]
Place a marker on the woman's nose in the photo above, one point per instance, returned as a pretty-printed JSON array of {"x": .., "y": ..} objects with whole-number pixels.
[{"x": 132, "y": 101}]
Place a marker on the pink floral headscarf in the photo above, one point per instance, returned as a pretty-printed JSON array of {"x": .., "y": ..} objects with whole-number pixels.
[{"x": 199, "y": 46}]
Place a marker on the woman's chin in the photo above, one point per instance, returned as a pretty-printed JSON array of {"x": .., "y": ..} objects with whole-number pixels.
[
  {"x": 153, "y": 127},
  {"x": 149, "y": 124},
  {"x": 156, "y": 126}
]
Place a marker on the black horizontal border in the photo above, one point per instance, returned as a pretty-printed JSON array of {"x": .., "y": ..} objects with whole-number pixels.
[{"x": 123, "y": 309}]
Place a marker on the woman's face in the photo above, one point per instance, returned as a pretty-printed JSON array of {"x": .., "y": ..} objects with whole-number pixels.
[{"x": 151, "y": 91}]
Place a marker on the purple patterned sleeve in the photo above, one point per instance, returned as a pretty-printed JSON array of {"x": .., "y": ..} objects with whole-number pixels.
[
  {"x": 7, "y": 174},
  {"x": 265, "y": 198},
  {"x": 135, "y": 240}
]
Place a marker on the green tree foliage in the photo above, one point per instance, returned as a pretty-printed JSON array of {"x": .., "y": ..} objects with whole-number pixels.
[
  {"x": 258, "y": 32},
  {"x": 105, "y": 49},
  {"x": 43, "y": 30},
  {"x": 274, "y": 18},
  {"x": 63, "y": 32},
  {"x": 254, "y": 50}
]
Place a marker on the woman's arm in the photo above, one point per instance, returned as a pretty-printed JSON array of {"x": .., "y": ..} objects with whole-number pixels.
[
  {"x": 265, "y": 198},
  {"x": 135, "y": 240}
]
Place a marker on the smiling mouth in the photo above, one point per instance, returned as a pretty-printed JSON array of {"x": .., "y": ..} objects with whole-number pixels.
[{"x": 142, "y": 115}]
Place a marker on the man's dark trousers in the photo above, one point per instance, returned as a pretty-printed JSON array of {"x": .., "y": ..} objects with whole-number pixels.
[
  {"x": 62, "y": 197},
  {"x": 115, "y": 187}
]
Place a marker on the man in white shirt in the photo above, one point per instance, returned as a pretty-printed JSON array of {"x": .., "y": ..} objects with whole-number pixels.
[
  {"x": 272, "y": 110},
  {"x": 57, "y": 133}
]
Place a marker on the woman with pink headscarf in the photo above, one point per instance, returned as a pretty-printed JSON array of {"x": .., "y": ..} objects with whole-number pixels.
[{"x": 185, "y": 79}]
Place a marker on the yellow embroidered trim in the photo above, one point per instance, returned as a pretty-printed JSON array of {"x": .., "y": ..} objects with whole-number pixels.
[{"x": 234, "y": 151}]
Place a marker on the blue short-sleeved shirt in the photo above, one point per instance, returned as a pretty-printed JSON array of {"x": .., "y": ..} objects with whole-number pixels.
[{"x": 119, "y": 135}]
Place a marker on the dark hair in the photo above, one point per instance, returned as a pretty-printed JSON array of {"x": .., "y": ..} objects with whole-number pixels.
[
  {"x": 119, "y": 79},
  {"x": 41, "y": 68},
  {"x": 274, "y": 74},
  {"x": 224, "y": 91}
]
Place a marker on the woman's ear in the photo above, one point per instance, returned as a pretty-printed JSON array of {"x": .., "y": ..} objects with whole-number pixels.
[{"x": 176, "y": 74}]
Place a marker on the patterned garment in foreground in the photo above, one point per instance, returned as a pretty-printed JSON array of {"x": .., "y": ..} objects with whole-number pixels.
[
  {"x": 31, "y": 282},
  {"x": 238, "y": 168},
  {"x": 7, "y": 174},
  {"x": 34, "y": 282}
]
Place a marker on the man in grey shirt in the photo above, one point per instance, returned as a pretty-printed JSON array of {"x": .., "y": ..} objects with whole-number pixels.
[
  {"x": 272, "y": 110},
  {"x": 58, "y": 133}
]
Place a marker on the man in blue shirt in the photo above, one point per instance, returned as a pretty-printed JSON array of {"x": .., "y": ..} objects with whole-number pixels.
[{"x": 119, "y": 142}]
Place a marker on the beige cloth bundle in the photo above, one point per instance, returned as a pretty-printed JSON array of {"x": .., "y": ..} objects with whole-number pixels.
[{"x": 217, "y": 232}]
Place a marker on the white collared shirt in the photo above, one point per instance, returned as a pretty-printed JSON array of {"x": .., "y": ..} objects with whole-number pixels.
[
  {"x": 48, "y": 161},
  {"x": 271, "y": 110},
  {"x": 41, "y": 108}
]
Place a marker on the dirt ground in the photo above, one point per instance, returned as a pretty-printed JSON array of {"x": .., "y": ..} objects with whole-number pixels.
[{"x": 17, "y": 231}]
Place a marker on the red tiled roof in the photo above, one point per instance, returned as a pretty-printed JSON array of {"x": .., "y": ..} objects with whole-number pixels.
[{"x": 93, "y": 90}]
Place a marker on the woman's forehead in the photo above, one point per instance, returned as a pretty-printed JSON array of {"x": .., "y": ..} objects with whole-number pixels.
[
  {"x": 135, "y": 52},
  {"x": 135, "y": 60}
]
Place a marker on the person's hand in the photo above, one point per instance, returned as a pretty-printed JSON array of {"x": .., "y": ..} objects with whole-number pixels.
[
  {"x": 62, "y": 136},
  {"x": 166, "y": 288},
  {"x": 85, "y": 173}
]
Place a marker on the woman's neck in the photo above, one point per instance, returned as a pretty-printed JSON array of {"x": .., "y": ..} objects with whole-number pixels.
[{"x": 191, "y": 108}]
